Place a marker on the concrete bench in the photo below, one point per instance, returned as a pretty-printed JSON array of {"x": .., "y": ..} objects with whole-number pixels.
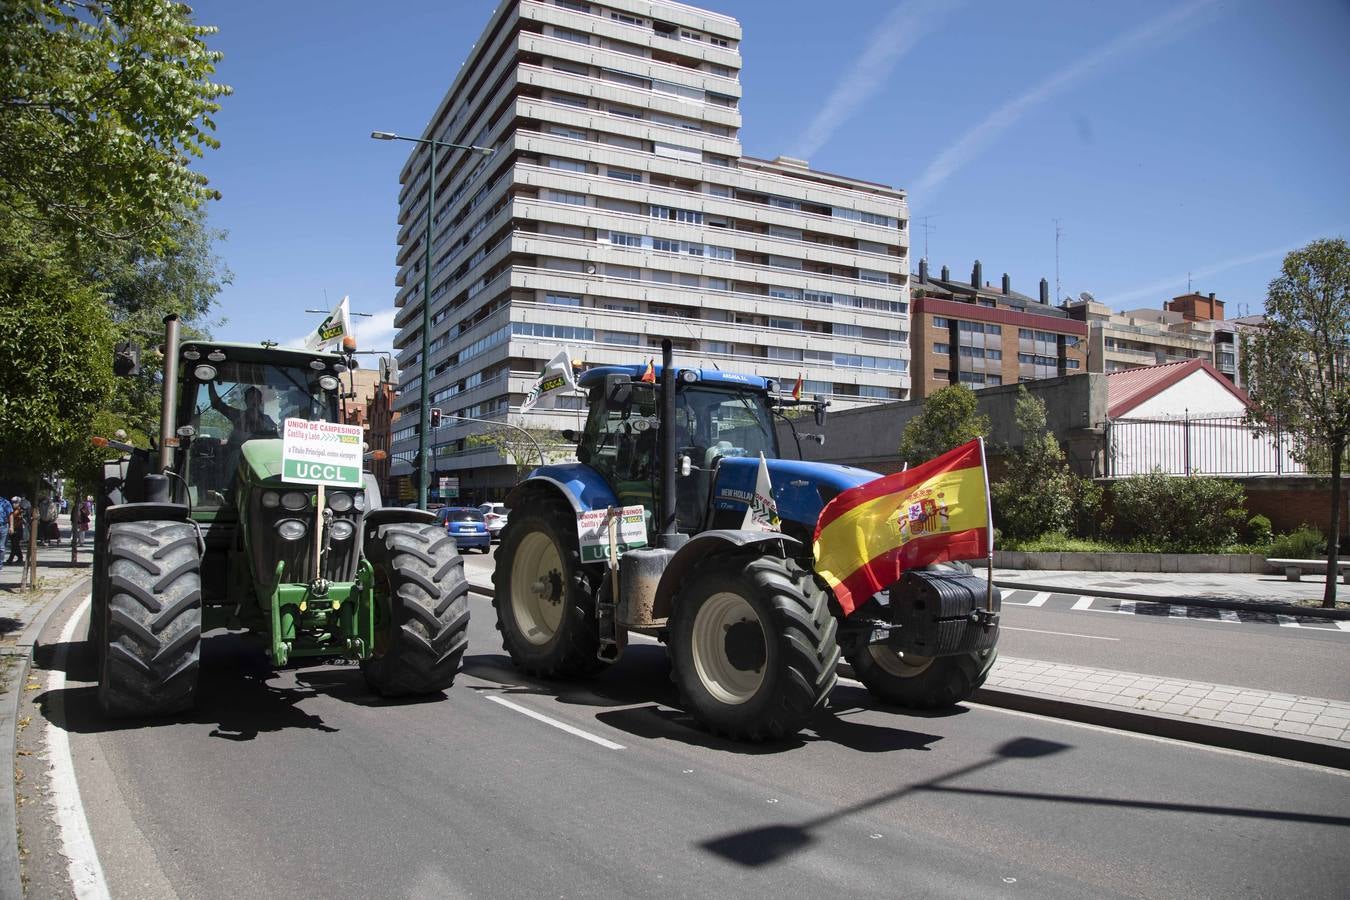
[{"x": 1294, "y": 568}]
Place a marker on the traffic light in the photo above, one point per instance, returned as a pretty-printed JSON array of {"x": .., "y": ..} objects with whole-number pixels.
[{"x": 435, "y": 418}]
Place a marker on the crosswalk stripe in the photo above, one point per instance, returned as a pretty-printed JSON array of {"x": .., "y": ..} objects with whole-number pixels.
[
  {"x": 1178, "y": 612},
  {"x": 1343, "y": 626},
  {"x": 1039, "y": 599},
  {"x": 1287, "y": 622},
  {"x": 1228, "y": 615},
  {"x": 1083, "y": 602}
]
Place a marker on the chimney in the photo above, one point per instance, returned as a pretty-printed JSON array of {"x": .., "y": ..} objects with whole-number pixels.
[
  {"x": 977, "y": 275},
  {"x": 1045, "y": 291},
  {"x": 923, "y": 271},
  {"x": 1007, "y": 284},
  {"x": 946, "y": 274}
]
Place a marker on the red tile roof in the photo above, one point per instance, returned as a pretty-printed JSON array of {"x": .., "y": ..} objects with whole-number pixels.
[{"x": 1128, "y": 388}]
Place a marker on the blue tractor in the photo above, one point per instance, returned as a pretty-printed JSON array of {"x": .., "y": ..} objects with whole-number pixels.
[{"x": 754, "y": 635}]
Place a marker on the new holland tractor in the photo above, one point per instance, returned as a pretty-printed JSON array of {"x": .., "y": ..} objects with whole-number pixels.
[
  {"x": 204, "y": 531},
  {"x": 753, "y": 633}
]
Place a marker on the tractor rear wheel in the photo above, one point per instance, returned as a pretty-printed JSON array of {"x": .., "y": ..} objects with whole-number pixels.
[
  {"x": 546, "y": 607},
  {"x": 753, "y": 646},
  {"x": 152, "y": 621},
  {"x": 920, "y": 682},
  {"x": 421, "y": 610}
]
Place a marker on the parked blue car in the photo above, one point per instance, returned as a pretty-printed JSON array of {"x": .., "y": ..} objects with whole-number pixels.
[{"x": 466, "y": 526}]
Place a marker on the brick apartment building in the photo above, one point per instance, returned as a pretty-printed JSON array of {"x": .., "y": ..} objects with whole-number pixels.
[{"x": 972, "y": 333}]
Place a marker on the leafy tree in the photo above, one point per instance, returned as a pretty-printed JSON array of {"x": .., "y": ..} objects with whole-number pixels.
[
  {"x": 56, "y": 344},
  {"x": 102, "y": 105},
  {"x": 1035, "y": 496},
  {"x": 948, "y": 420},
  {"x": 1297, "y": 367},
  {"x": 523, "y": 445}
]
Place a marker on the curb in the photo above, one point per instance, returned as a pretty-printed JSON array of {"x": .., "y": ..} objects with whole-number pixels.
[
  {"x": 1313, "y": 612},
  {"x": 1158, "y": 724},
  {"x": 11, "y": 885}
]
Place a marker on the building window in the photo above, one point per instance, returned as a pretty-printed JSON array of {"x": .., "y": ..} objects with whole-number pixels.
[
  {"x": 623, "y": 174},
  {"x": 567, "y": 197},
  {"x": 939, "y": 322},
  {"x": 942, "y": 349},
  {"x": 562, "y": 299},
  {"x": 623, "y": 239},
  {"x": 567, "y": 34},
  {"x": 574, "y": 5},
  {"x": 567, "y": 165}
]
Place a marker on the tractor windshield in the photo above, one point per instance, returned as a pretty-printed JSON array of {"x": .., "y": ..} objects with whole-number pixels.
[
  {"x": 246, "y": 401},
  {"x": 713, "y": 423}
]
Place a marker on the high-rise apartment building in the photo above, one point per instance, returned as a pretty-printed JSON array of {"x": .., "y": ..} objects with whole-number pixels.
[{"x": 618, "y": 210}]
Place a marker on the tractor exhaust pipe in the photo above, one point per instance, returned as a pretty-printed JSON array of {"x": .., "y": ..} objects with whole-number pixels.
[
  {"x": 668, "y": 534},
  {"x": 167, "y": 437}
]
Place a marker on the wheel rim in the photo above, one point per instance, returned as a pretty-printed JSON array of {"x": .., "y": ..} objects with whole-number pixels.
[
  {"x": 899, "y": 664},
  {"x": 721, "y": 641},
  {"x": 537, "y": 588}
]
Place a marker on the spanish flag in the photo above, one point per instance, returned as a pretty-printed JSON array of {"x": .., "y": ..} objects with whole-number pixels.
[
  {"x": 649, "y": 375},
  {"x": 869, "y": 535},
  {"x": 797, "y": 388}
]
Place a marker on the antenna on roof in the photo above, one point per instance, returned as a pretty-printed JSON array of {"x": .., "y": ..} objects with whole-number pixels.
[
  {"x": 926, "y": 229},
  {"x": 1058, "y": 230}
]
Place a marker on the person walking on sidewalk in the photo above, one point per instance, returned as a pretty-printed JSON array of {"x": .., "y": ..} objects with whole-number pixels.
[
  {"x": 49, "y": 532},
  {"x": 18, "y": 526},
  {"x": 6, "y": 516},
  {"x": 80, "y": 521}
]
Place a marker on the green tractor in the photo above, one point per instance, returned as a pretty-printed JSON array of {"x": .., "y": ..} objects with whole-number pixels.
[
  {"x": 754, "y": 634},
  {"x": 205, "y": 531}
]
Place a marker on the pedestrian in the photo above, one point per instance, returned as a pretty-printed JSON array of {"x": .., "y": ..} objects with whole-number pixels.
[
  {"x": 49, "y": 533},
  {"x": 80, "y": 524},
  {"x": 18, "y": 527},
  {"x": 6, "y": 517}
]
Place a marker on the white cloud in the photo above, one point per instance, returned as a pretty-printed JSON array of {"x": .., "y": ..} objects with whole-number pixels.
[
  {"x": 896, "y": 35},
  {"x": 1159, "y": 30},
  {"x": 1168, "y": 285},
  {"x": 374, "y": 333}
]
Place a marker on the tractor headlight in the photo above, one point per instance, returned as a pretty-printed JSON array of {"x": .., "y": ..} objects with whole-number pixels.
[
  {"x": 359, "y": 501},
  {"x": 295, "y": 500},
  {"x": 342, "y": 529},
  {"x": 291, "y": 529},
  {"x": 271, "y": 500},
  {"x": 340, "y": 501},
  {"x": 328, "y": 382}
]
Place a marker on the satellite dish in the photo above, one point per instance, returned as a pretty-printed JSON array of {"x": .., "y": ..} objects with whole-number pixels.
[{"x": 1086, "y": 297}]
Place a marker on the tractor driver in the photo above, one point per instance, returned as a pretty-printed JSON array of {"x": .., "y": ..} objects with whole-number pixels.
[{"x": 250, "y": 422}]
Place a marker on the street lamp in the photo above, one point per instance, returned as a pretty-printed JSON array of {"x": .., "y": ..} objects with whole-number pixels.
[{"x": 423, "y": 471}]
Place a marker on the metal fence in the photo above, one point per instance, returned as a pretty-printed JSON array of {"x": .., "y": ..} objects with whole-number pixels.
[{"x": 1198, "y": 446}]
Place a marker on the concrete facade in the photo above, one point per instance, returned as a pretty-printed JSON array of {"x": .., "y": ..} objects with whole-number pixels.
[{"x": 617, "y": 210}]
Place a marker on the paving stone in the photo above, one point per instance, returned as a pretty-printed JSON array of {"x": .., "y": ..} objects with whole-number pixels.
[
  {"x": 1323, "y": 731},
  {"x": 1232, "y": 718},
  {"x": 1242, "y": 709},
  {"x": 1292, "y": 727},
  {"x": 1278, "y": 703},
  {"x": 1197, "y": 713},
  {"x": 1211, "y": 703},
  {"x": 1261, "y": 722},
  {"x": 1333, "y": 721},
  {"x": 1304, "y": 718},
  {"x": 1176, "y": 709}
]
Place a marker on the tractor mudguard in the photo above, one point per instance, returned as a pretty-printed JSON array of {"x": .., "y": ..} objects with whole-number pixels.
[
  {"x": 141, "y": 512},
  {"x": 388, "y": 515},
  {"x": 583, "y": 487},
  {"x": 705, "y": 544}
]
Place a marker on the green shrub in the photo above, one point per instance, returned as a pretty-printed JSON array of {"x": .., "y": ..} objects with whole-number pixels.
[
  {"x": 1179, "y": 514},
  {"x": 1035, "y": 494},
  {"x": 1259, "y": 530},
  {"x": 1304, "y": 542},
  {"x": 1087, "y": 499}
]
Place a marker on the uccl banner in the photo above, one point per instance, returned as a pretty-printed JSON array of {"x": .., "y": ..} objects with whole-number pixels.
[
  {"x": 321, "y": 453},
  {"x": 869, "y": 535}
]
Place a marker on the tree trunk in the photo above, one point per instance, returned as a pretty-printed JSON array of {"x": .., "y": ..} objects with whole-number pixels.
[{"x": 1334, "y": 541}]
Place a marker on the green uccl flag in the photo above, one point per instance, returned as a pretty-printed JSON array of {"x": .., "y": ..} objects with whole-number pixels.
[
  {"x": 336, "y": 326},
  {"x": 556, "y": 378}
]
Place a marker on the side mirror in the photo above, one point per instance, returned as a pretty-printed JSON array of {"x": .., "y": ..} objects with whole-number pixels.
[
  {"x": 819, "y": 408},
  {"x": 126, "y": 359}
]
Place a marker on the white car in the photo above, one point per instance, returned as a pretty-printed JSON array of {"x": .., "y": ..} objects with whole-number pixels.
[{"x": 495, "y": 515}]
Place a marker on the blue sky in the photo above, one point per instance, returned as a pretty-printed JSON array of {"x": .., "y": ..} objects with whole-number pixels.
[{"x": 1206, "y": 137}]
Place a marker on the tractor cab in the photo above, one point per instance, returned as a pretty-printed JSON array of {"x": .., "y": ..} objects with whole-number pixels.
[{"x": 717, "y": 416}]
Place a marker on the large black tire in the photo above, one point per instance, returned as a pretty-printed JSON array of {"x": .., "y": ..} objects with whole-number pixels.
[
  {"x": 546, "y": 606},
  {"x": 421, "y": 610},
  {"x": 920, "y": 682},
  {"x": 753, "y": 646},
  {"x": 152, "y": 619},
  {"x": 109, "y": 494}
]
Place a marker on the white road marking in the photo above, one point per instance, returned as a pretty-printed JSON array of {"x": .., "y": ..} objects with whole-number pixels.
[
  {"x": 1229, "y": 615},
  {"x": 1287, "y": 622},
  {"x": 1083, "y": 602},
  {"x": 1091, "y": 637},
  {"x": 1126, "y": 607},
  {"x": 77, "y": 844},
  {"x": 1038, "y": 600},
  {"x": 1177, "y": 612},
  {"x": 563, "y": 726},
  {"x": 1343, "y": 625}
]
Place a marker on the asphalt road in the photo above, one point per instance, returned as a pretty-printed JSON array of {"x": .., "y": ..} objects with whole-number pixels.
[{"x": 302, "y": 783}]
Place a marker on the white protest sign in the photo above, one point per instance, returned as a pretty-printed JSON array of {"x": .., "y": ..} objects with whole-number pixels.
[
  {"x": 321, "y": 453},
  {"x": 593, "y": 531}
]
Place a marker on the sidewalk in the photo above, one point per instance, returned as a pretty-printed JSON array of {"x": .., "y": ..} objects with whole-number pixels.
[{"x": 22, "y": 617}]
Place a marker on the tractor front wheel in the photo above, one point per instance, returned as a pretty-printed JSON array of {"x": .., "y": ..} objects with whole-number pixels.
[
  {"x": 920, "y": 682},
  {"x": 753, "y": 647},
  {"x": 421, "y": 610},
  {"x": 151, "y": 626},
  {"x": 546, "y": 607}
]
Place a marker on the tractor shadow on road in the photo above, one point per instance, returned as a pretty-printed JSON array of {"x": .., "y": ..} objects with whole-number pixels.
[
  {"x": 637, "y": 696},
  {"x": 236, "y": 693}
]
